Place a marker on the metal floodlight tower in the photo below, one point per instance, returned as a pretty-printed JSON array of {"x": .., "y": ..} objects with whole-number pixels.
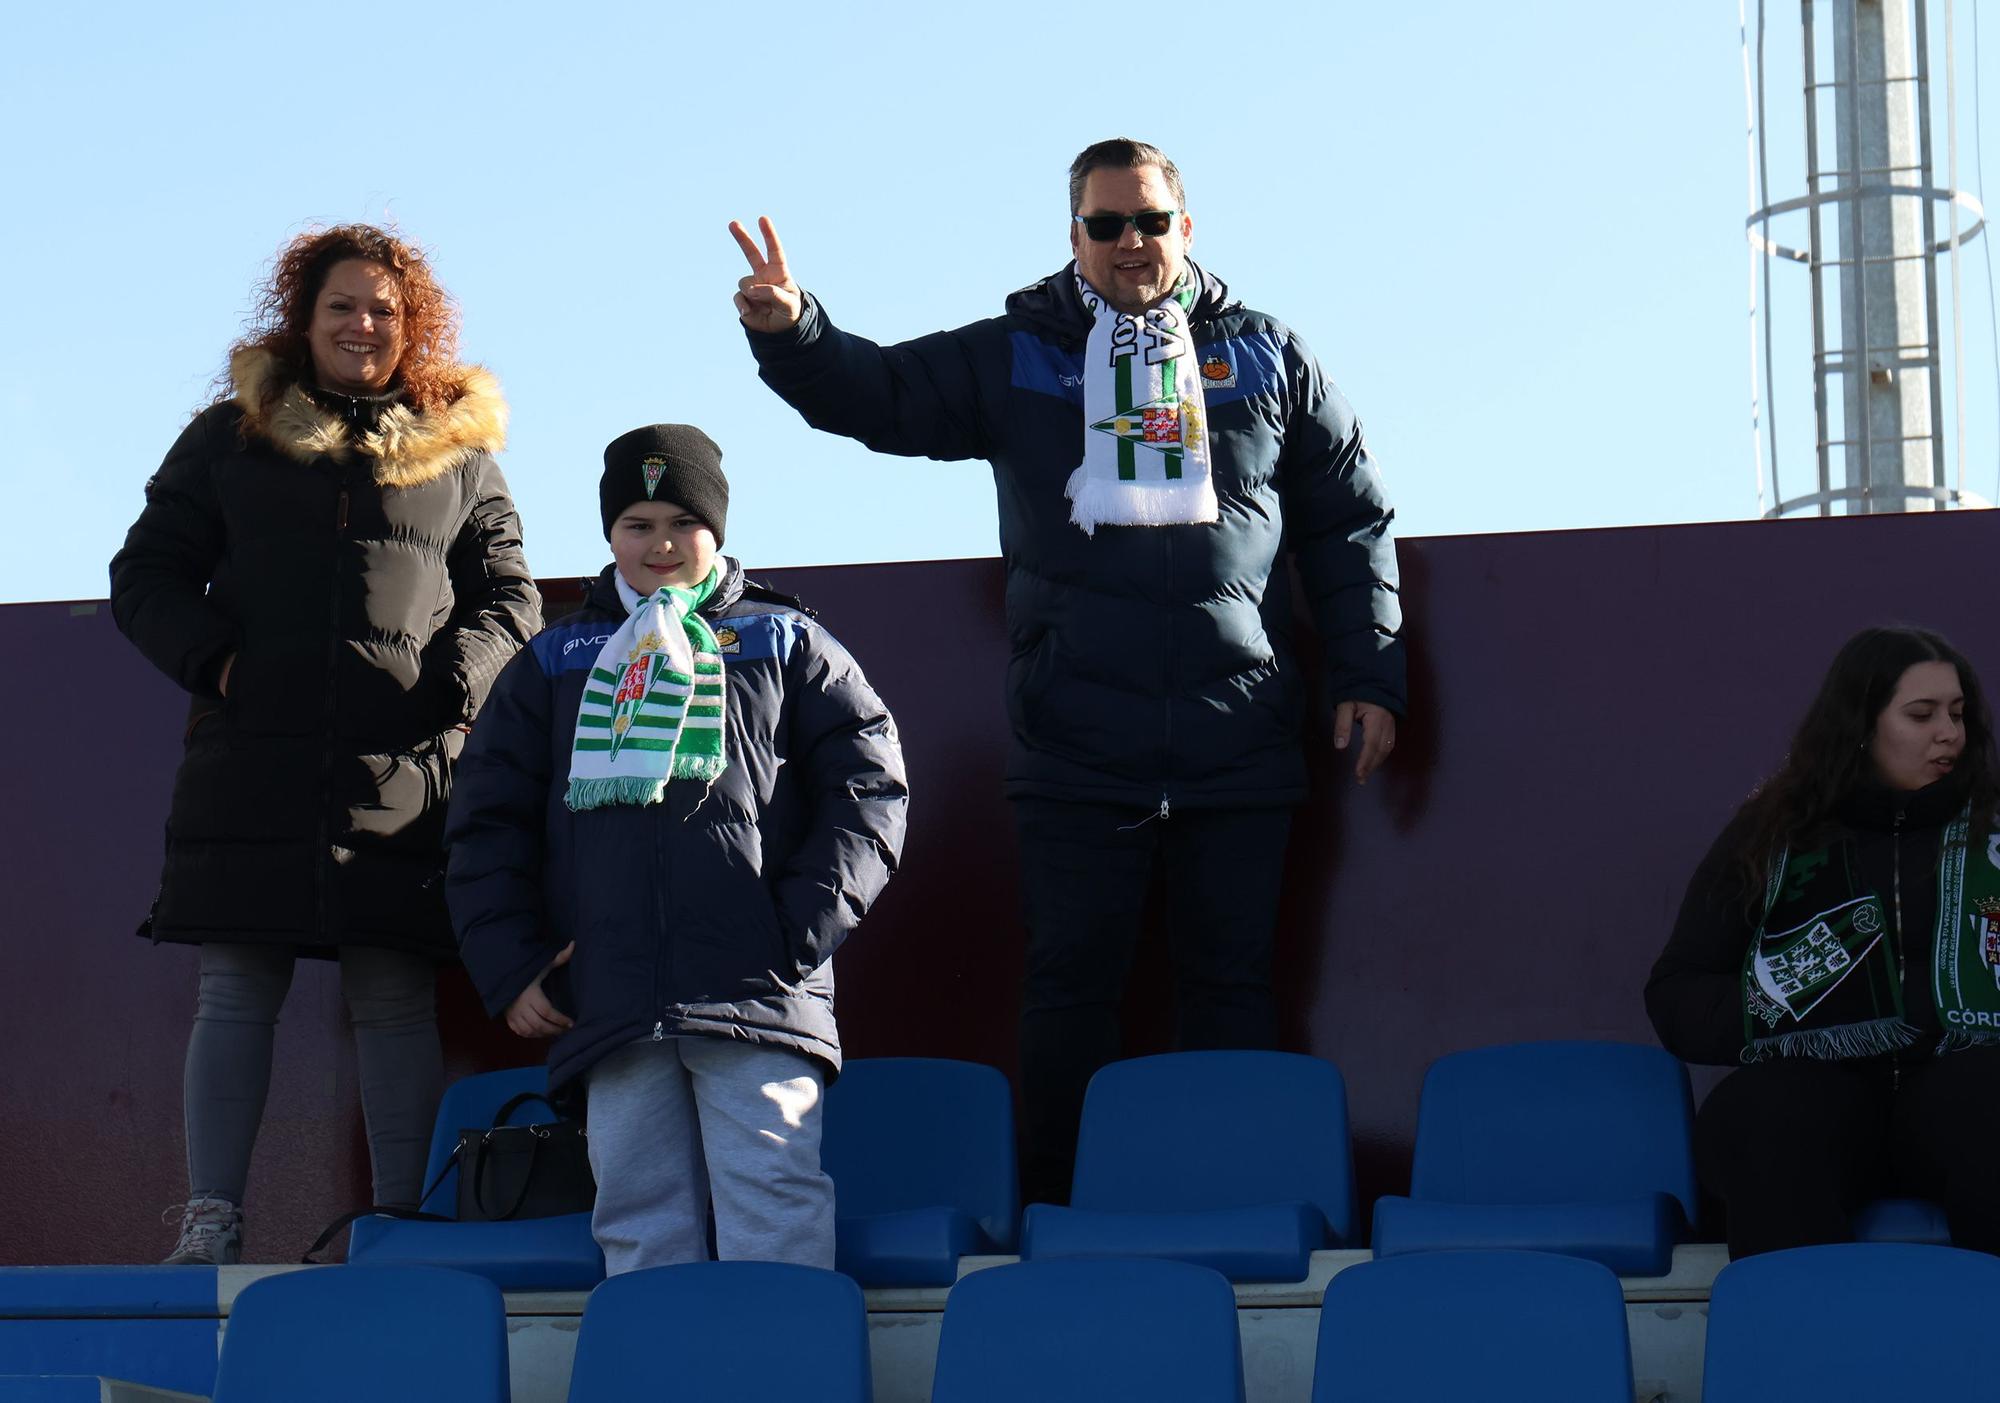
[{"x": 1872, "y": 215}]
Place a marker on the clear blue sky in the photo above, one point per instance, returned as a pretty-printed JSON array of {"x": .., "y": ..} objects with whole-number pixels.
[{"x": 1513, "y": 234}]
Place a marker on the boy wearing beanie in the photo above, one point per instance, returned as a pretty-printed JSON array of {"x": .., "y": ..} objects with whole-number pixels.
[{"x": 676, "y": 803}]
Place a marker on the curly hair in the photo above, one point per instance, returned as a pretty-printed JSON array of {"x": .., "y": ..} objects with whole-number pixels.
[
  {"x": 1829, "y": 754},
  {"x": 284, "y": 309}
]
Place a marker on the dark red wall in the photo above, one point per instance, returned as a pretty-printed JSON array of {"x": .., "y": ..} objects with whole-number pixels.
[{"x": 1589, "y": 707}]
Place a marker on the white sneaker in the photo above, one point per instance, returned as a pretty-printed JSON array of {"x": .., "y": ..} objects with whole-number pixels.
[{"x": 211, "y": 1233}]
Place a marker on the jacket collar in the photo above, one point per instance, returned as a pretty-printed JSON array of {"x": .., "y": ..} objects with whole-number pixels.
[
  {"x": 408, "y": 447},
  {"x": 361, "y": 413},
  {"x": 1872, "y": 804},
  {"x": 1053, "y": 304}
]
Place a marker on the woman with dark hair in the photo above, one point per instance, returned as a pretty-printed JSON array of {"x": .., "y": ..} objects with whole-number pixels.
[
  {"x": 330, "y": 564},
  {"x": 1842, "y": 941}
]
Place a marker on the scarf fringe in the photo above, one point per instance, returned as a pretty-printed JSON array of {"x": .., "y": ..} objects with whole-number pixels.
[
  {"x": 641, "y": 789},
  {"x": 1870, "y": 1039},
  {"x": 1095, "y": 502},
  {"x": 706, "y": 768},
  {"x": 603, "y": 793},
  {"x": 1959, "y": 1039}
]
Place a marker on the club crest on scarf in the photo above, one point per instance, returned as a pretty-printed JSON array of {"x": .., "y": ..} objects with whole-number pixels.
[
  {"x": 1169, "y": 425},
  {"x": 1145, "y": 452},
  {"x": 642, "y": 669},
  {"x": 1987, "y": 921}
]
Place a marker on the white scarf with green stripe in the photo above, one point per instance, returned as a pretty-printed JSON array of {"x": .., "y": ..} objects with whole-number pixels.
[
  {"x": 1145, "y": 436},
  {"x": 652, "y": 705}
]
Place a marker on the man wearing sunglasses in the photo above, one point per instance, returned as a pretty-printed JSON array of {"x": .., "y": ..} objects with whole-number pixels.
[{"x": 1156, "y": 446}]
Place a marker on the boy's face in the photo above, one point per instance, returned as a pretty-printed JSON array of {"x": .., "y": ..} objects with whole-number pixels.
[{"x": 661, "y": 543}]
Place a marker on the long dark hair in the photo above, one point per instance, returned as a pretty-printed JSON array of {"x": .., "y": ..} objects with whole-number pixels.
[{"x": 1829, "y": 754}]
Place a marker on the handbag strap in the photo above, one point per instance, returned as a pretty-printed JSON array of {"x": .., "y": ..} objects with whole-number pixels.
[
  {"x": 450, "y": 1163},
  {"x": 377, "y": 1210},
  {"x": 536, "y": 1135}
]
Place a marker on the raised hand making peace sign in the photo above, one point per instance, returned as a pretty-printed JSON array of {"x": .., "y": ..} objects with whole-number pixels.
[{"x": 767, "y": 300}]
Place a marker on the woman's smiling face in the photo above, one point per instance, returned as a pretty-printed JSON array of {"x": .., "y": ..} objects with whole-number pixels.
[{"x": 356, "y": 334}]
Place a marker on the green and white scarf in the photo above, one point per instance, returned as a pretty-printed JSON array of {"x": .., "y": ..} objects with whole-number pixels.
[
  {"x": 1145, "y": 436},
  {"x": 652, "y": 705},
  {"x": 1820, "y": 978}
]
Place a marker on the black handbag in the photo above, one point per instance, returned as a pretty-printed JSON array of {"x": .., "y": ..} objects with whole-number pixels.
[{"x": 506, "y": 1172}]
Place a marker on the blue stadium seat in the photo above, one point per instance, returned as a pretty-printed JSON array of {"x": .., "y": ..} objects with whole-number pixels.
[
  {"x": 1903, "y": 1220},
  {"x": 155, "y": 1326},
  {"x": 921, "y": 1151},
  {"x": 1501, "y": 1327},
  {"x": 747, "y": 1332},
  {"x": 1233, "y": 1160},
  {"x": 383, "y": 1334},
  {"x": 1085, "y": 1331},
  {"x": 1584, "y": 1148},
  {"x": 1853, "y": 1321},
  {"x": 530, "y": 1254}
]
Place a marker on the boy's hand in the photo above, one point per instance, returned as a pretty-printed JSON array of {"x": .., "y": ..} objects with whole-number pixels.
[{"x": 531, "y": 1015}]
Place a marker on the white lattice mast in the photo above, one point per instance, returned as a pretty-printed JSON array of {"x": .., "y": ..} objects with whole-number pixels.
[
  {"x": 1888, "y": 356},
  {"x": 1871, "y": 251}
]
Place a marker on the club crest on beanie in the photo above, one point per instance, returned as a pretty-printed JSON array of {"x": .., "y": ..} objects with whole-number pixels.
[{"x": 665, "y": 463}]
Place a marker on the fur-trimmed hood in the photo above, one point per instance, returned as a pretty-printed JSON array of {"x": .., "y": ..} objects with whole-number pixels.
[{"x": 409, "y": 447}]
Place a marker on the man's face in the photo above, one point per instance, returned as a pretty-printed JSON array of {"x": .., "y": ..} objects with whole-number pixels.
[{"x": 1132, "y": 272}]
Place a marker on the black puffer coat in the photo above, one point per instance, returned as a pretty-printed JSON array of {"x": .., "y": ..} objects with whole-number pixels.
[
  {"x": 715, "y": 912},
  {"x": 362, "y": 563},
  {"x": 1151, "y": 665}
]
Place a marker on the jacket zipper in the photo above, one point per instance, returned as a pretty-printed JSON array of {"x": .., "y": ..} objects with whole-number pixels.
[
  {"x": 324, "y": 857},
  {"x": 659, "y": 932},
  {"x": 1902, "y": 972},
  {"x": 1173, "y": 677}
]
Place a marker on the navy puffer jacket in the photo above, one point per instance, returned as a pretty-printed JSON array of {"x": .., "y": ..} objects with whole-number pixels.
[
  {"x": 704, "y": 915},
  {"x": 1150, "y": 665}
]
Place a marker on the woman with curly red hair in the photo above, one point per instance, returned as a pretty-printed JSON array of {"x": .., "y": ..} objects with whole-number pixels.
[{"x": 330, "y": 564}]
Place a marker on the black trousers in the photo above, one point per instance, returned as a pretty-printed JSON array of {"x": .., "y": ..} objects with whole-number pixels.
[
  {"x": 1794, "y": 1148},
  {"x": 1086, "y": 872}
]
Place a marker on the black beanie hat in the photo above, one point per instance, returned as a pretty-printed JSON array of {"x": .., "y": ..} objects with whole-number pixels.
[{"x": 664, "y": 463}]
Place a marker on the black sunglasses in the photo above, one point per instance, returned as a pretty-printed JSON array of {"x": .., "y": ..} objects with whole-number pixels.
[{"x": 1103, "y": 228}]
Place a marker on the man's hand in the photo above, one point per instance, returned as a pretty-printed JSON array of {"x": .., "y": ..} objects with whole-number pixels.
[
  {"x": 531, "y": 1015},
  {"x": 1378, "y": 734},
  {"x": 767, "y": 300}
]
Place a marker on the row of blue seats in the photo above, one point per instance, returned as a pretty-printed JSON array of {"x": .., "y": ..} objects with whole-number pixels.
[
  {"x": 1850, "y": 1322},
  {"x": 1238, "y": 1161}
]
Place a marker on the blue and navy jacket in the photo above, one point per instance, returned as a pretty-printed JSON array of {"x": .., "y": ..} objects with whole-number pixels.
[
  {"x": 1149, "y": 664},
  {"x": 708, "y": 914}
]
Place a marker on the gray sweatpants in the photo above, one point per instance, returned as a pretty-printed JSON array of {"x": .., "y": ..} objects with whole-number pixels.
[{"x": 677, "y": 1122}]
